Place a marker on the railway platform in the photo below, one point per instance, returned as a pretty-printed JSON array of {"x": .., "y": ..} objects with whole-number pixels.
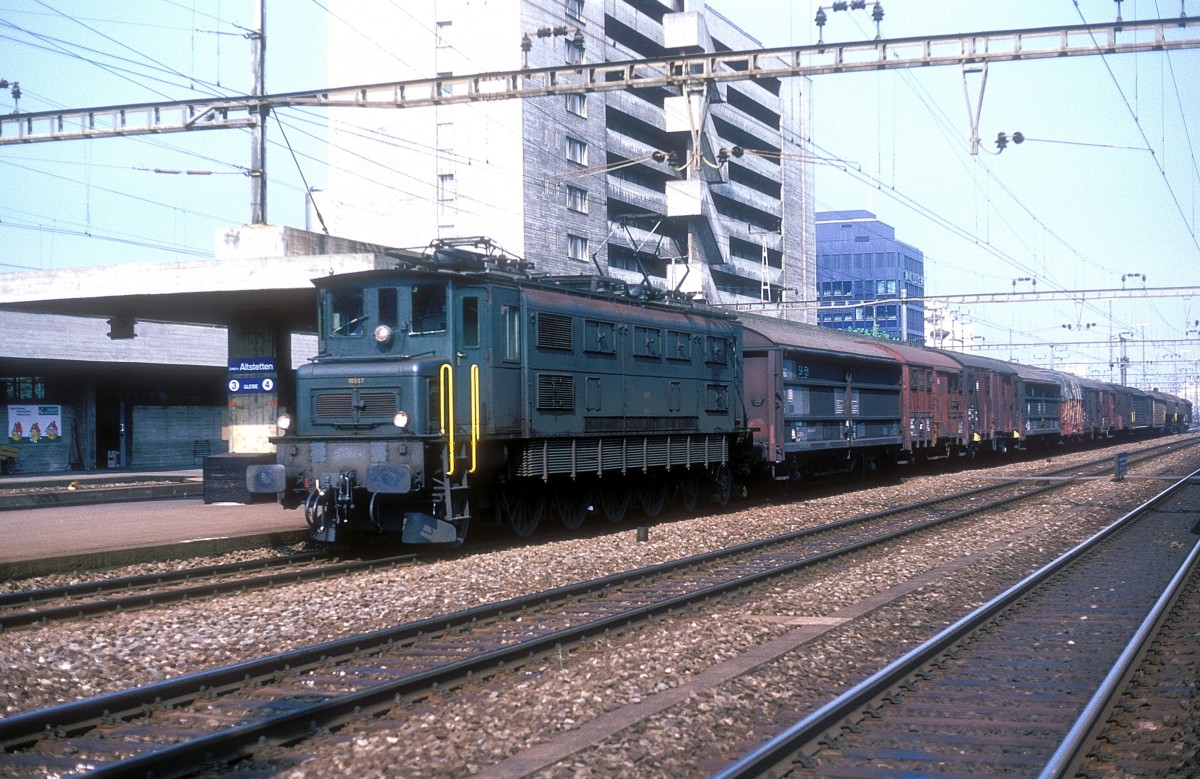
[{"x": 53, "y": 523}]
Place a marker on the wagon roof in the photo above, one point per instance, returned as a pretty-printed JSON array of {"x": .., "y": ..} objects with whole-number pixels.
[
  {"x": 766, "y": 332},
  {"x": 918, "y": 355},
  {"x": 988, "y": 363}
]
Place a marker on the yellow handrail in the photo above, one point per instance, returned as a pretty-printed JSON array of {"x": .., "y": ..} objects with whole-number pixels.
[
  {"x": 474, "y": 417},
  {"x": 446, "y": 410}
]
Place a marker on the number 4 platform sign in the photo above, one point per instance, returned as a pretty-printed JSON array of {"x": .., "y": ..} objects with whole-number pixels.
[{"x": 251, "y": 374}]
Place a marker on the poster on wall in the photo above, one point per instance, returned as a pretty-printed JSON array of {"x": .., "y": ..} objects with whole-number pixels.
[{"x": 35, "y": 424}]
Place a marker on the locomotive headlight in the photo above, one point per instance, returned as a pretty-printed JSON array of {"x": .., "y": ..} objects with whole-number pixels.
[
  {"x": 383, "y": 334},
  {"x": 401, "y": 419},
  {"x": 284, "y": 421}
]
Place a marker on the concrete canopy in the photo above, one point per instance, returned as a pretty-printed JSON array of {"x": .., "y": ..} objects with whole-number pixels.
[{"x": 206, "y": 292}]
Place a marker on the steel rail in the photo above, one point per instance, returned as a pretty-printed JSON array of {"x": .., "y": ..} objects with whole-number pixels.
[
  {"x": 15, "y": 619},
  {"x": 1066, "y": 759},
  {"x": 80, "y": 716},
  {"x": 101, "y": 586},
  {"x": 240, "y": 741},
  {"x": 779, "y": 750}
]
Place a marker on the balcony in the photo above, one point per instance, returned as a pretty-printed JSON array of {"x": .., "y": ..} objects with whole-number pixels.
[
  {"x": 639, "y": 197},
  {"x": 635, "y": 107}
]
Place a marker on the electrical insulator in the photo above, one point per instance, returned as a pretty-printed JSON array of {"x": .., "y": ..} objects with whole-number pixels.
[
  {"x": 820, "y": 20},
  {"x": 858, "y": 4},
  {"x": 1001, "y": 141},
  {"x": 840, "y": 5},
  {"x": 1018, "y": 138},
  {"x": 876, "y": 13},
  {"x": 738, "y": 151},
  {"x": 659, "y": 156},
  {"x": 121, "y": 328}
]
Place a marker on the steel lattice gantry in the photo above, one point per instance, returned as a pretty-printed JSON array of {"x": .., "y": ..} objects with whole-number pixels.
[{"x": 964, "y": 49}]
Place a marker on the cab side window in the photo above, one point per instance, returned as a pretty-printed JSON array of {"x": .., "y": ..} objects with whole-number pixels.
[{"x": 470, "y": 323}]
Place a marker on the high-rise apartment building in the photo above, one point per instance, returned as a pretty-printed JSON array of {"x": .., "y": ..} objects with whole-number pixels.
[
  {"x": 707, "y": 191},
  {"x": 867, "y": 281}
]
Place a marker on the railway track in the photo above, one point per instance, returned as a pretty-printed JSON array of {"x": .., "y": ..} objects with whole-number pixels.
[
  {"x": 28, "y": 608},
  {"x": 1026, "y": 684},
  {"x": 75, "y": 601},
  {"x": 229, "y": 712}
]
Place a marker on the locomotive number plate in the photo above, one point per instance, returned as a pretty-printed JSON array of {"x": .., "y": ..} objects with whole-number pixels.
[{"x": 356, "y": 380}]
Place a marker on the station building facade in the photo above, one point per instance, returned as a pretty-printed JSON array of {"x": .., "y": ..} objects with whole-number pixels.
[
  {"x": 71, "y": 398},
  {"x": 74, "y": 399}
]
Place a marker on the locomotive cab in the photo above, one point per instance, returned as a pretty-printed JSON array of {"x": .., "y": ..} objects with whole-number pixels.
[{"x": 385, "y": 410}]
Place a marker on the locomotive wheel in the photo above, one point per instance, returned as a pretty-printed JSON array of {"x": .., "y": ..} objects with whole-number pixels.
[
  {"x": 614, "y": 502},
  {"x": 521, "y": 512},
  {"x": 723, "y": 482},
  {"x": 652, "y": 496},
  {"x": 689, "y": 491},
  {"x": 571, "y": 506}
]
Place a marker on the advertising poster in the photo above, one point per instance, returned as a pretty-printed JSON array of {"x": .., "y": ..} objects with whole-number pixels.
[{"x": 34, "y": 424}]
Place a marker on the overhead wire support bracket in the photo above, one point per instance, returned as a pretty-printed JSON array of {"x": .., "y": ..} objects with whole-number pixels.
[{"x": 973, "y": 114}]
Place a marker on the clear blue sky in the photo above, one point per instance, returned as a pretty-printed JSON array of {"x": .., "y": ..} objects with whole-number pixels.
[
  {"x": 1110, "y": 187},
  {"x": 1073, "y": 216}
]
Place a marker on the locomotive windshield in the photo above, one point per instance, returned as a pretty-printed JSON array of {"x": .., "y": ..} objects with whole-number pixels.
[
  {"x": 353, "y": 312},
  {"x": 428, "y": 308},
  {"x": 347, "y": 315}
]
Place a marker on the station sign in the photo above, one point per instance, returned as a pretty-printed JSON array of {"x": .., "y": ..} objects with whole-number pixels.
[
  {"x": 251, "y": 374},
  {"x": 252, "y": 365},
  {"x": 252, "y": 384}
]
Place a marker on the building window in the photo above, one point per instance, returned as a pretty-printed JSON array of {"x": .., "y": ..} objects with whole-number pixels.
[
  {"x": 443, "y": 34},
  {"x": 577, "y": 247},
  {"x": 446, "y": 193},
  {"x": 576, "y": 150},
  {"x": 577, "y": 199},
  {"x": 445, "y": 89},
  {"x": 575, "y": 9},
  {"x": 577, "y": 104},
  {"x": 445, "y": 189},
  {"x": 573, "y": 51},
  {"x": 24, "y": 388}
]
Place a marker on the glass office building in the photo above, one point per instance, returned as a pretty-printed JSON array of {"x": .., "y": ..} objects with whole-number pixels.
[{"x": 867, "y": 281}]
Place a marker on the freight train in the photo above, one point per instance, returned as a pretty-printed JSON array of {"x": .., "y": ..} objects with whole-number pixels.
[{"x": 462, "y": 388}]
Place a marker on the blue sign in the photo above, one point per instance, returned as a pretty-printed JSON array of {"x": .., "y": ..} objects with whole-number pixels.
[
  {"x": 252, "y": 365},
  {"x": 252, "y": 384}
]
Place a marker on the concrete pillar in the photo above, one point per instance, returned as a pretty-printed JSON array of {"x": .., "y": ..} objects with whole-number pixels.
[{"x": 260, "y": 380}]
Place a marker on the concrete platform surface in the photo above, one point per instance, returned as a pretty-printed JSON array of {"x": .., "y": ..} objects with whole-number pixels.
[{"x": 60, "y": 538}]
